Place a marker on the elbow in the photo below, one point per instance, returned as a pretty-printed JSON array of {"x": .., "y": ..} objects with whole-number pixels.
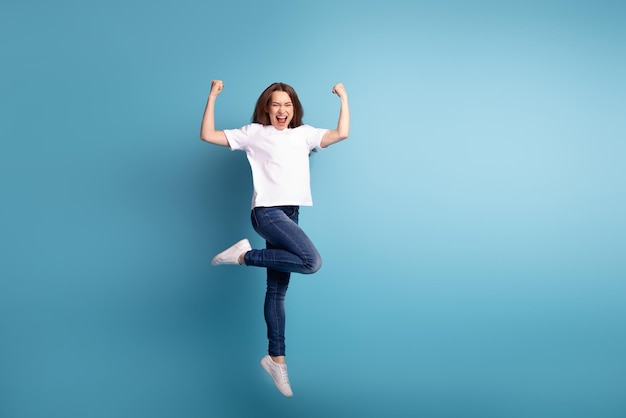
[
  {"x": 344, "y": 131},
  {"x": 205, "y": 136}
]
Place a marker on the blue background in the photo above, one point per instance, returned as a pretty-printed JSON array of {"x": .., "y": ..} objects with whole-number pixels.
[{"x": 472, "y": 227}]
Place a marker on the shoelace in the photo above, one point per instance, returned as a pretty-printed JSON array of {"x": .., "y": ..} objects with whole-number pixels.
[{"x": 283, "y": 374}]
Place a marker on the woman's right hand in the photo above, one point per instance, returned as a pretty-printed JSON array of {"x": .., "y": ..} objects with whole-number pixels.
[{"x": 216, "y": 87}]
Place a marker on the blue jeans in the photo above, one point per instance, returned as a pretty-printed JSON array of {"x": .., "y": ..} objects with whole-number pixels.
[{"x": 288, "y": 250}]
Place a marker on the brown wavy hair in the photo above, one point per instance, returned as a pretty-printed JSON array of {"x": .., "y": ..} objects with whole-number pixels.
[{"x": 260, "y": 114}]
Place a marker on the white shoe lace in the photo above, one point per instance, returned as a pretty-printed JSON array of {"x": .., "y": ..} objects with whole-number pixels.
[{"x": 283, "y": 374}]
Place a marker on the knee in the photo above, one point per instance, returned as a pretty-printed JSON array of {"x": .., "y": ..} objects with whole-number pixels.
[{"x": 312, "y": 264}]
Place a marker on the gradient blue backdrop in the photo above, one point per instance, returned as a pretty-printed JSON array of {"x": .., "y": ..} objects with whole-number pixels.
[{"x": 472, "y": 227}]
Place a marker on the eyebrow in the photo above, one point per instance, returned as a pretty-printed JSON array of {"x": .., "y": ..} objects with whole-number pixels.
[{"x": 279, "y": 103}]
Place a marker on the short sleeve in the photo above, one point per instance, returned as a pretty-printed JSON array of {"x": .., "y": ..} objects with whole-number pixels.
[
  {"x": 314, "y": 136},
  {"x": 238, "y": 138}
]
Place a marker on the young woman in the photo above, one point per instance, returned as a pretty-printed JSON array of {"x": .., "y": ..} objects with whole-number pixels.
[{"x": 277, "y": 144}]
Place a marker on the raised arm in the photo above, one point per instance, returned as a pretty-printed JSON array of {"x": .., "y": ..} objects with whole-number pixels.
[
  {"x": 343, "y": 125},
  {"x": 207, "y": 130}
]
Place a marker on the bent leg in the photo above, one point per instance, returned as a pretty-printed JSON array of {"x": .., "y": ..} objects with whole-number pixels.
[{"x": 291, "y": 249}]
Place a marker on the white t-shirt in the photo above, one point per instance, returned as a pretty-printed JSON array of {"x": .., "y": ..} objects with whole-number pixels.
[{"x": 279, "y": 160}]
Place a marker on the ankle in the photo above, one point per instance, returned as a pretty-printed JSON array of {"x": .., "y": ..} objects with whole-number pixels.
[{"x": 278, "y": 359}]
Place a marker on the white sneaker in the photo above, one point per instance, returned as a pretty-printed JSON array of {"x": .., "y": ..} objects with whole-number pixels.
[
  {"x": 231, "y": 255},
  {"x": 279, "y": 375}
]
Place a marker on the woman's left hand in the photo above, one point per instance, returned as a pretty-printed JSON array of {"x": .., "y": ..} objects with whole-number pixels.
[{"x": 340, "y": 90}]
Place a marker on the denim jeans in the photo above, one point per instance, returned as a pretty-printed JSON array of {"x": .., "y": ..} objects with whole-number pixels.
[{"x": 288, "y": 250}]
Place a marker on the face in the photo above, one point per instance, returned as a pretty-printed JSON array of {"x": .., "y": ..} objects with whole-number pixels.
[{"x": 280, "y": 110}]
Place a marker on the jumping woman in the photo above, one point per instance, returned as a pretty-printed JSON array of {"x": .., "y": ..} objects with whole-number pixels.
[{"x": 277, "y": 144}]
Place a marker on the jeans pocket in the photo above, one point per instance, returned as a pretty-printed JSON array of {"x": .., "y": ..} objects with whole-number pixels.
[
  {"x": 253, "y": 219},
  {"x": 293, "y": 212}
]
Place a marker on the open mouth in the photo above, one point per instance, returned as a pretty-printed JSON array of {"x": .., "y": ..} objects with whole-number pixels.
[{"x": 281, "y": 119}]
